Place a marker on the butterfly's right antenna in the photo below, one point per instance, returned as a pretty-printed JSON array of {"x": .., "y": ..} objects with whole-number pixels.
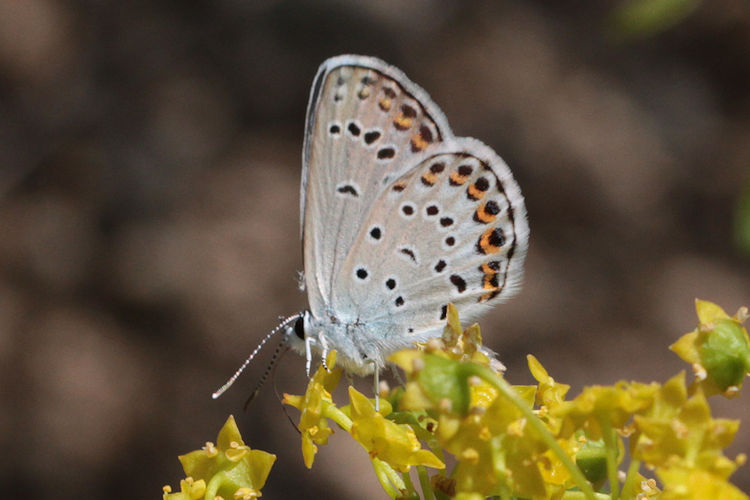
[{"x": 239, "y": 371}]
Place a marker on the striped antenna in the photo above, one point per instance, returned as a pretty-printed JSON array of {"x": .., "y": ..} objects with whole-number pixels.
[
  {"x": 271, "y": 368},
  {"x": 239, "y": 371}
]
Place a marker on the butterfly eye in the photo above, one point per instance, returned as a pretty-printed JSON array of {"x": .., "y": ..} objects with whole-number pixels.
[{"x": 299, "y": 328}]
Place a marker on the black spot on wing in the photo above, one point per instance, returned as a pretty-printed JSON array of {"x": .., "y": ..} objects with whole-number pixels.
[
  {"x": 348, "y": 189},
  {"x": 408, "y": 252},
  {"x": 386, "y": 153},
  {"x": 458, "y": 282},
  {"x": 372, "y": 136},
  {"x": 353, "y": 129}
]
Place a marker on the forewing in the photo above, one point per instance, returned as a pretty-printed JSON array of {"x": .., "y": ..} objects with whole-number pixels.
[
  {"x": 451, "y": 229},
  {"x": 367, "y": 124}
]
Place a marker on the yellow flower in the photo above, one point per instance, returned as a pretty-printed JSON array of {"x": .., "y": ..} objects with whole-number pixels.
[
  {"x": 438, "y": 379},
  {"x": 598, "y": 407},
  {"x": 435, "y": 381},
  {"x": 395, "y": 444},
  {"x": 690, "y": 484},
  {"x": 471, "y": 442},
  {"x": 497, "y": 451},
  {"x": 679, "y": 431},
  {"x": 549, "y": 393},
  {"x": 189, "y": 490},
  {"x": 313, "y": 423},
  {"x": 719, "y": 349},
  {"x": 223, "y": 469},
  {"x": 460, "y": 344}
]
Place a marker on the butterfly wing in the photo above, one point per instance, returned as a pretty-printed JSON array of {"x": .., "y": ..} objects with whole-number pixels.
[
  {"x": 366, "y": 125},
  {"x": 451, "y": 229}
]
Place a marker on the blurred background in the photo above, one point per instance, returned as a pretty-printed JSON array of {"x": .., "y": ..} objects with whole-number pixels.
[{"x": 149, "y": 174}]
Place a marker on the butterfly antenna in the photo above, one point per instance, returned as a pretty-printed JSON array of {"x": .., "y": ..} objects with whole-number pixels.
[
  {"x": 270, "y": 368},
  {"x": 281, "y": 400},
  {"x": 239, "y": 371}
]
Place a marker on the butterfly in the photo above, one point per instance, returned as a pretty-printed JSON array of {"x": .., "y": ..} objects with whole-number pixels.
[{"x": 398, "y": 218}]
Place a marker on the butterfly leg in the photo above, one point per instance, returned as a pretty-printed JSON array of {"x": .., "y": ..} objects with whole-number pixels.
[
  {"x": 376, "y": 389},
  {"x": 324, "y": 345},
  {"x": 308, "y": 354}
]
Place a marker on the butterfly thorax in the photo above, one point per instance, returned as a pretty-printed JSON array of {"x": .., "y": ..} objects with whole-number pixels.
[{"x": 361, "y": 347}]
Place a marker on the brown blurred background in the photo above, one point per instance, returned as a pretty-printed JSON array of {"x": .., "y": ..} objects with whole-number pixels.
[{"x": 149, "y": 173}]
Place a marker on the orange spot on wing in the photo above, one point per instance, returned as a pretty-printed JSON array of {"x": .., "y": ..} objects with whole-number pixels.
[
  {"x": 487, "y": 269},
  {"x": 485, "y": 242},
  {"x": 385, "y": 104},
  {"x": 418, "y": 143},
  {"x": 402, "y": 122},
  {"x": 421, "y": 139},
  {"x": 481, "y": 215},
  {"x": 474, "y": 193},
  {"x": 489, "y": 280},
  {"x": 458, "y": 179},
  {"x": 429, "y": 179}
]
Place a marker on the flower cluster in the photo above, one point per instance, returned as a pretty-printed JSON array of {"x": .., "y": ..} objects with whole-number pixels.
[
  {"x": 471, "y": 435},
  {"x": 392, "y": 446},
  {"x": 530, "y": 441},
  {"x": 226, "y": 470}
]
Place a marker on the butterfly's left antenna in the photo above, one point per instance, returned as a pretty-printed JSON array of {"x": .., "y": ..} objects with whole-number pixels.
[
  {"x": 239, "y": 371},
  {"x": 282, "y": 348}
]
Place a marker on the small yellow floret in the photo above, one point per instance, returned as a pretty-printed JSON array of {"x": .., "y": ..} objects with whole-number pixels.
[{"x": 470, "y": 455}]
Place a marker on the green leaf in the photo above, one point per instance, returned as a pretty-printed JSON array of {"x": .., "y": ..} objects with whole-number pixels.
[
  {"x": 725, "y": 354},
  {"x": 592, "y": 460},
  {"x": 443, "y": 379}
]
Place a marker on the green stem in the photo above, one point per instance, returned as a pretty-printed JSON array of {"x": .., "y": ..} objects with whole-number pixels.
[
  {"x": 382, "y": 471},
  {"x": 394, "y": 476},
  {"x": 509, "y": 393},
  {"x": 630, "y": 479},
  {"x": 409, "y": 485},
  {"x": 330, "y": 411},
  {"x": 424, "y": 482},
  {"x": 610, "y": 447},
  {"x": 212, "y": 488}
]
